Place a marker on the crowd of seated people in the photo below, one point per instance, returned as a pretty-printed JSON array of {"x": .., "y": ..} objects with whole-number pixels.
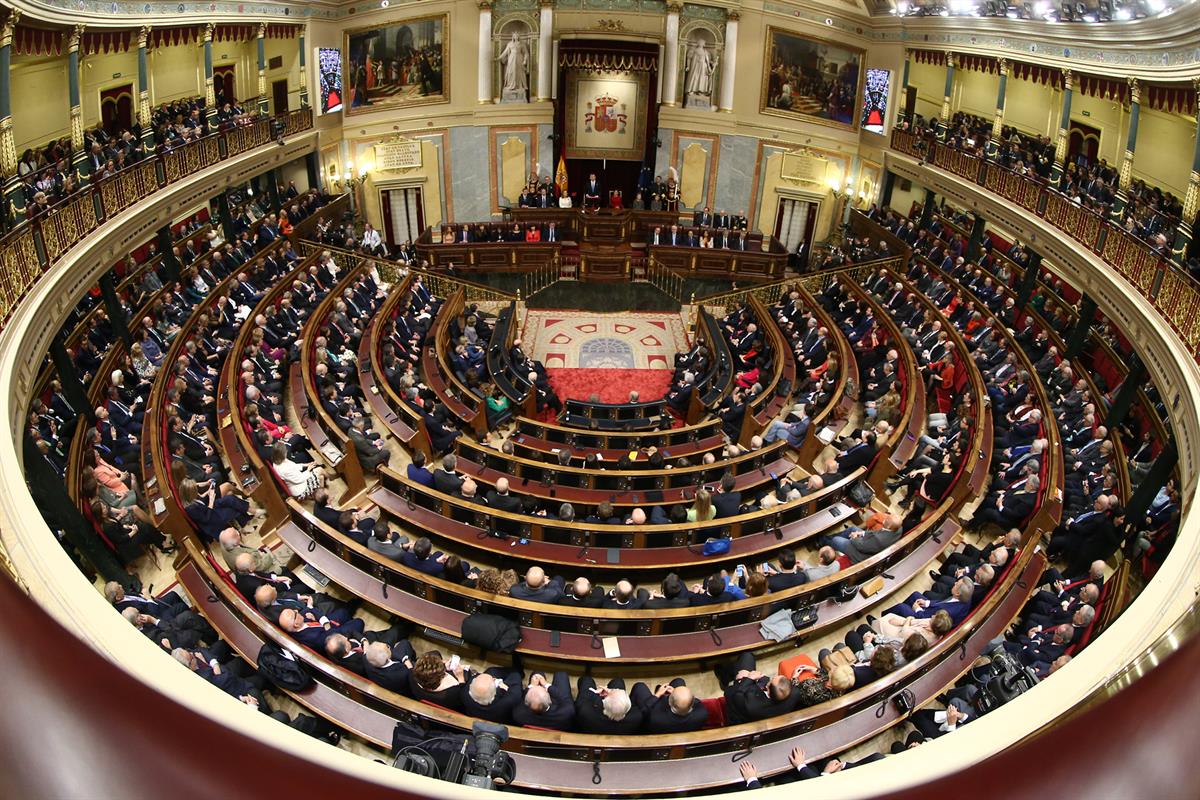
[
  {"x": 1149, "y": 213},
  {"x": 701, "y": 234},
  {"x": 467, "y": 233}
]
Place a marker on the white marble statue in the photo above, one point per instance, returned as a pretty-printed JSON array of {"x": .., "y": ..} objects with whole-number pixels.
[
  {"x": 514, "y": 59},
  {"x": 701, "y": 64}
]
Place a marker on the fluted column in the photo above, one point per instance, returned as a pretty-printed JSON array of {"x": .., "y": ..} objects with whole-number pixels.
[
  {"x": 79, "y": 157},
  {"x": 210, "y": 96},
  {"x": 545, "y": 47},
  {"x": 485, "y": 51},
  {"x": 262, "y": 68},
  {"x": 1064, "y": 124},
  {"x": 143, "y": 114},
  {"x": 729, "y": 62},
  {"x": 1125, "y": 176},
  {"x": 998, "y": 121},
  {"x": 304, "y": 74},
  {"x": 671, "y": 55},
  {"x": 1191, "y": 201},
  {"x": 903, "y": 104},
  {"x": 944, "y": 119},
  {"x": 8, "y": 148}
]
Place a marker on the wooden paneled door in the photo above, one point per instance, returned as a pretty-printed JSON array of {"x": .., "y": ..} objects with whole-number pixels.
[
  {"x": 225, "y": 84},
  {"x": 279, "y": 97},
  {"x": 1083, "y": 141},
  {"x": 116, "y": 108}
]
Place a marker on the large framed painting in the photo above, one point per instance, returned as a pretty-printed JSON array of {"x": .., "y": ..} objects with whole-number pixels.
[
  {"x": 399, "y": 64},
  {"x": 811, "y": 78},
  {"x": 606, "y": 114}
]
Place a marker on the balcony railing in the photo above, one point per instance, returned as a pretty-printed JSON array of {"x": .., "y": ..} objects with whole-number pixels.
[
  {"x": 1174, "y": 293},
  {"x": 37, "y": 244}
]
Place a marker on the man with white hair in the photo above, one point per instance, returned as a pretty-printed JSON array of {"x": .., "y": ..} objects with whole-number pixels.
[
  {"x": 605, "y": 711},
  {"x": 232, "y": 546},
  {"x": 492, "y": 695}
]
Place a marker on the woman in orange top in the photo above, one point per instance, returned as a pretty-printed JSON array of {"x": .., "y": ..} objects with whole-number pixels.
[
  {"x": 533, "y": 234},
  {"x": 285, "y": 225}
]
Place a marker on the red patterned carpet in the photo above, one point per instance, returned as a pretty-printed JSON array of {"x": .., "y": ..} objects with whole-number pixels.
[{"x": 612, "y": 385}]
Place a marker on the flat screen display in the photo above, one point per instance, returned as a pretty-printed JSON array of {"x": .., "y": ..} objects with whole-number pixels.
[
  {"x": 329, "y": 75},
  {"x": 875, "y": 97}
]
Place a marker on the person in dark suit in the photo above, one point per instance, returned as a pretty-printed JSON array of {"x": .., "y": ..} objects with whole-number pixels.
[
  {"x": 492, "y": 695},
  {"x": 857, "y": 455},
  {"x": 311, "y": 631},
  {"x": 787, "y": 575},
  {"x": 247, "y": 580},
  {"x": 538, "y": 587},
  {"x": 390, "y": 666},
  {"x": 671, "y": 708},
  {"x": 592, "y": 192},
  {"x": 500, "y": 499},
  {"x": 605, "y": 711},
  {"x": 702, "y": 218},
  {"x": 547, "y": 704},
  {"x": 420, "y": 556},
  {"x": 728, "y": 500},
  {"x": 371, "y": 453},
  {"x": 445, "y": 479},
  {"x": 1009, "y": 509},
  {"x": 958, "y": 605},
  {"x": 418, "y": 473},
  {"x": 752, "y": 696},
  {"x": 672, "y": 593},
  {"x": 712, "y": 591},
  {"x": 802, "y": 771}
]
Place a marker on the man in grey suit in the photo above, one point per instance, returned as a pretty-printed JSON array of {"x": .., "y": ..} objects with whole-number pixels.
[
  {"x": 859, "y": 545},
  {"x": 386, "y": 542},
  {"x": 370, "y": 454}
]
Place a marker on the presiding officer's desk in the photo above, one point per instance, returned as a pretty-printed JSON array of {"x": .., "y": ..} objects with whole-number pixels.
[{"x": 604, "y": 241}]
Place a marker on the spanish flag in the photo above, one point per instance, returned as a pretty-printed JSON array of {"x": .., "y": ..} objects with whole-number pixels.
[{"x": 560, "y": 177}]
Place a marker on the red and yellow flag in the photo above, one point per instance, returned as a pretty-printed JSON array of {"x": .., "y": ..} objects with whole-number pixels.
[{"x": 560, "y": 177}]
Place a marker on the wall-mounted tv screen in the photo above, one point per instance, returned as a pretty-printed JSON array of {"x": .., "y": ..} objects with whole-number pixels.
[
  {"x": 329, "y": 74},
  {"x": 875, "y": 97}
]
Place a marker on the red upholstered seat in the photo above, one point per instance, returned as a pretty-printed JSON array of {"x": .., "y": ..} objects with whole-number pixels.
[{"x": 716, "y": 711}]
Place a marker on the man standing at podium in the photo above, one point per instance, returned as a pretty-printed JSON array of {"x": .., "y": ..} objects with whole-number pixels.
[{"x": 592, "y": 192}]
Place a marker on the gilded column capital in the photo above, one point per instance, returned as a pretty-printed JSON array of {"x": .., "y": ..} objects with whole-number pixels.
[
  {"x": 208, "y": 32},
  {"x": 144, "y": 36},
  {"x": 908, "y": 53},
  {"x": 733, "y": 15},
  {"x": 951, "y": 60},
  {"x": 674, "y": 7},
  {"x": 10, "y": 25},
  {"x": 1135, "y": 90},
  {"x": 485, "y": 5},
  {"x": 546, "y": 3},
  {"x": 73, "y": 40},
  {"x": 262, "y": 30},
  {"x": 1003, "y": 66},
  {"x": 1068, "y": 80}
]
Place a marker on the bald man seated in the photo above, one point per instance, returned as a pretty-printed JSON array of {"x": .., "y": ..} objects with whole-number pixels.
[
  {"x": 538, "y": 587},
  {"x": 670, "y": 708}
]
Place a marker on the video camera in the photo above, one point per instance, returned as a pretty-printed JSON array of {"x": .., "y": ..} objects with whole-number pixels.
[
  {"x": 471, "y": 761},
  {"x": 1006, "y": 679}
]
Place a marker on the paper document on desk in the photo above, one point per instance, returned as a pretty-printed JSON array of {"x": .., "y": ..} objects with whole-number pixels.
[{"x": 612, "y": 648}]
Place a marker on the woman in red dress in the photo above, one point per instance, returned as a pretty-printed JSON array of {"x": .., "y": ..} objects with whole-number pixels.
[{"x": 943, "y": 380}]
